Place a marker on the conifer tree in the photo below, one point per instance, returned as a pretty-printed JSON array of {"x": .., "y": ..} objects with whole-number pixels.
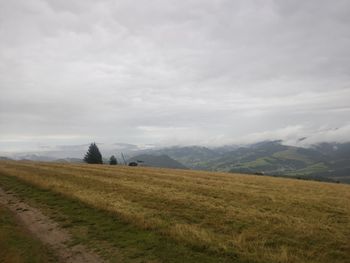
[
  {"x": 93, "y": 155},
  {"x": 113, "y": 160}
]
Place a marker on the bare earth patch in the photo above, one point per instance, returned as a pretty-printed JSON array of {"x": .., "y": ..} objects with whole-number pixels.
[{"x": 47, "y": 231}]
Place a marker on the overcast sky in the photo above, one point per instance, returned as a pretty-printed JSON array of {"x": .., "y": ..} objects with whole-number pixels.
[{"x": 173, "y": 72}]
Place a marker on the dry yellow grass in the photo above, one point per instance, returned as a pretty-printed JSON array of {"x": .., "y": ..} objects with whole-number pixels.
[{"x": 262, "y": 219}]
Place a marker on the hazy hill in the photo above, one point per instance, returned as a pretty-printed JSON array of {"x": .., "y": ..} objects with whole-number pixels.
[
  {"x": 326, "y": 161},
  {"x": 276, "y": 159},
  {"x": 162, "y": 161},
  {"x": 189, "y": 156},
  {"x": 35, "y": 157}
]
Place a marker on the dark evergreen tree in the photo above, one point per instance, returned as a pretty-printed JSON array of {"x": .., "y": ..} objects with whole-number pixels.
[
  {"x": 93, "y": 155},
  {"x": 113, "y": 160}
]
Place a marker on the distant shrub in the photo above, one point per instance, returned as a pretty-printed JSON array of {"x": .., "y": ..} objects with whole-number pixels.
[{"x": 113, "y": 160}]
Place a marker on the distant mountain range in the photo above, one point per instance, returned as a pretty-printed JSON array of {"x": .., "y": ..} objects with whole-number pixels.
[{"x": 325, "y": 161}]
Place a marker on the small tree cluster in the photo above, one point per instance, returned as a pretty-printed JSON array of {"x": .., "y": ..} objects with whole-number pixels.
[
  {"x": 113, "y": 160},
  {"x": 93, "y": 155}
]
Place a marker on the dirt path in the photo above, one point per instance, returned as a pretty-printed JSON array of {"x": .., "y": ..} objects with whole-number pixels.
[{"x": 47, "y": 231}]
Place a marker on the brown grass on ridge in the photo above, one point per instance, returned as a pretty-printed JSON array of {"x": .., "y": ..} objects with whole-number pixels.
[{"x": 264, "y": 219}]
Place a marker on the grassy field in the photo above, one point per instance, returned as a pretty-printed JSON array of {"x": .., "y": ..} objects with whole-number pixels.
[
  {"x": 17, "y": 245},
  {"x": 162, "y": 215}
]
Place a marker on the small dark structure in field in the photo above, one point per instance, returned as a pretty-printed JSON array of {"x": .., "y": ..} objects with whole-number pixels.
[
  {"x": 132, "y": 164},
  {"x": 259, "y": 173}
]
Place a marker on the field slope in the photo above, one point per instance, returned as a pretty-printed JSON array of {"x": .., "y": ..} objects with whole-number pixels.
[{"x": 214, "y": 216}]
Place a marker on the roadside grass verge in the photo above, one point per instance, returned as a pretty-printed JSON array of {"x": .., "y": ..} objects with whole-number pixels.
[{"x": 19, "y": 246}]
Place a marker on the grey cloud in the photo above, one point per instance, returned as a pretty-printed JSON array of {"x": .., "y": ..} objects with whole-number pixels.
[{"x": 204, "y": 72}]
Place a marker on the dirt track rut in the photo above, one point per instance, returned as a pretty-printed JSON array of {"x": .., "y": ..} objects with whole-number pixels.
[{"x": 47, "y": 231}]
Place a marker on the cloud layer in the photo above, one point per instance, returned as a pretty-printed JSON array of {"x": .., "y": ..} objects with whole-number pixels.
[{"x": 172, "y": 72}]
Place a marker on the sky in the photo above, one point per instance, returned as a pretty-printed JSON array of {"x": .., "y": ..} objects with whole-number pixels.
[{"x": 166, "y": 72}]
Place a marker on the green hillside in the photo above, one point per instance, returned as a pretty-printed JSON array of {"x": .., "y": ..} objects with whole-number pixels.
[{"x": 327, "y": 161}]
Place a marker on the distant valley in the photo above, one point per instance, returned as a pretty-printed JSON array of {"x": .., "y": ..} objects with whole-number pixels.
[{"x": 324, "y": 161}]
